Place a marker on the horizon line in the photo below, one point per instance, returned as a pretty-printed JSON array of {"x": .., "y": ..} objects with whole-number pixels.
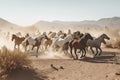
[{"x": 57, "y": 20}]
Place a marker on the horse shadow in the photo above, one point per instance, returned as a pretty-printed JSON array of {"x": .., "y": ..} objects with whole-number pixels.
[{"x": 106, "y": 57}]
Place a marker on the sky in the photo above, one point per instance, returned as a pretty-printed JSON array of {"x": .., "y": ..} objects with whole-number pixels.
[{"x": 28, "y": 12}]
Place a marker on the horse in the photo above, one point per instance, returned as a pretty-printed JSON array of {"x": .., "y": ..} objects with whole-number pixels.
[
  {"x": 69, "y": 32},
  {"x": 97, "y": 43},
  {"x": 59, "y": 42},
  {"x": 18, "y": 40},
  {"x": 79, "y": 44},
  {"x": 51, "y": 34},
  {"x": 59, "y": 33},
  {"x": 47, "y": 42},
  {"x": 77, "y": 35},
  {"x": 35, "y": 42}
]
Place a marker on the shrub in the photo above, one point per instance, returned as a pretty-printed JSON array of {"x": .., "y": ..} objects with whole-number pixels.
[{"x": 12, "y": 60}]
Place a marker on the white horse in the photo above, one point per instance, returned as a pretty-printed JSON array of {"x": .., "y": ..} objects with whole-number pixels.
[
  {"x": 59, "y": 42},
  {"x": 96, "y": 43}
]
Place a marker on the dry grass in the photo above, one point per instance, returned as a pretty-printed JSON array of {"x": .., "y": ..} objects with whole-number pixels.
[{"x": 12, "y": 60}]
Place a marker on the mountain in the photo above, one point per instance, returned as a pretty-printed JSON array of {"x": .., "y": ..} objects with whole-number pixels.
[
  {"x": 61, "y": 25},
  {"x": 7, "y": 26},
  {"x": 110, "y": 22}
]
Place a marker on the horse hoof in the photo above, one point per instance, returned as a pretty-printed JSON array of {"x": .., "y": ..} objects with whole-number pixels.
[
  {"x": 75, "y": 59},
  {"x": 81, "y": 56}
]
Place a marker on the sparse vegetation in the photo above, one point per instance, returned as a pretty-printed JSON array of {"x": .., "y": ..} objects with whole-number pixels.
[{"x": 11, "y": 61}]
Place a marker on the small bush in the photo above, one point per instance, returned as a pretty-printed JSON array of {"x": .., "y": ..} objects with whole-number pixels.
[{"x": 12, "y": 60}]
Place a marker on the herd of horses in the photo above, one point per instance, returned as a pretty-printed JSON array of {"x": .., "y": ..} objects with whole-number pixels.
[{"x": 67, "y": 42}]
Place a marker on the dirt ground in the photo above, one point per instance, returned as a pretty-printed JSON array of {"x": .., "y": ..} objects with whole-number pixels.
[{"x": 99, "y": 68}]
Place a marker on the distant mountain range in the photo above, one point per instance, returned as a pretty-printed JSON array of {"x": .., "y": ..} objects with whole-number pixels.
[{"x": 109, "y": 22}]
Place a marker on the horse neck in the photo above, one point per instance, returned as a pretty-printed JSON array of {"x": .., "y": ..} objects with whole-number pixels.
[
  {"x": 101, "y": 39},
  {"x": 15, "y": 38},
  {"x": 23, "y": 38}
]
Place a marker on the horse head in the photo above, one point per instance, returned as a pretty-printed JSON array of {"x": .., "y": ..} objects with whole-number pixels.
[
  {"x": 105, "y": 36},
  {"x": 13, "y": 37},
  {"x": 88, "y": 36},
  {"x": 76, "y": 34},
  {"x": 81, "y": 35},
  {"x": 27, "y": 35},
  {"x": 44, "y": 36}
]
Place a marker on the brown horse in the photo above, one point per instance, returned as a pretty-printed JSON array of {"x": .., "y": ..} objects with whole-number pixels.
[
  {"x": 47, "y": 43},
  {"x": 80, "y": 44},
  {"x": 18, "y": 40}
]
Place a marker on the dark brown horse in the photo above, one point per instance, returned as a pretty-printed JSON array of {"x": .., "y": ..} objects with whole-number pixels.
[
  {"x": 80, "y": 44},
  {"x": 18, "y": 40}
]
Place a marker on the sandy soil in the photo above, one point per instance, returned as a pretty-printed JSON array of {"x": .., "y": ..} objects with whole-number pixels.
[{"x": 100, "y": 68}]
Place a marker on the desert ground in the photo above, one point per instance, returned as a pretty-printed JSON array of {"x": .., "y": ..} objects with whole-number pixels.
[{"x": 99, "y": 68}]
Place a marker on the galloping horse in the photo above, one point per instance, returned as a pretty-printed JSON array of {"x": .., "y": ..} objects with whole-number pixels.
[
  {"x": 97, "y": 43},
  {"x": 51, "y": 34},
  {"x": 59, "y": 42},
  {"x": 35, "y": 42},
  {"x": 47, "y": 42},
  {"x": 18, "y": 40},
  {"x": 80, "y": 44}
]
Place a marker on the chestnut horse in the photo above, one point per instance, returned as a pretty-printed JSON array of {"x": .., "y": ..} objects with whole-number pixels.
[
  {"x": 18, "y": 40},
  {"x": 80, "y": 44}
]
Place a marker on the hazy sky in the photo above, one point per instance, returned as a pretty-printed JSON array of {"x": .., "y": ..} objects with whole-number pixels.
[{"x": 27, "y": 12}]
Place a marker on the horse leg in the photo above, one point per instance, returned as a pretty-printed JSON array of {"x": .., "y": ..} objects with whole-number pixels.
[
  {"x": 92, "y": 50},
  {"x": 71, "y": 52},
  {"x": 84, "y": 52},
  {"x": 37, "y": 50},
  {"x": 26, "y": 47},
  {"x": 100, "y": 51},
  {"x": 18, "y": 47},
  {"x": 33, "y": 47},
  {"x": 46, "y": 47},
  {"x": 75, "y": 53},
  {"x": 96, "y": 51},
  {"x": 15, "y": 46}
]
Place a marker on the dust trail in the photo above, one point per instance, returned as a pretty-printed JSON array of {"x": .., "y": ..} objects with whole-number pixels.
[
  {"x": 5, "y": 41},
  {"x": 50, "y": 54}
]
